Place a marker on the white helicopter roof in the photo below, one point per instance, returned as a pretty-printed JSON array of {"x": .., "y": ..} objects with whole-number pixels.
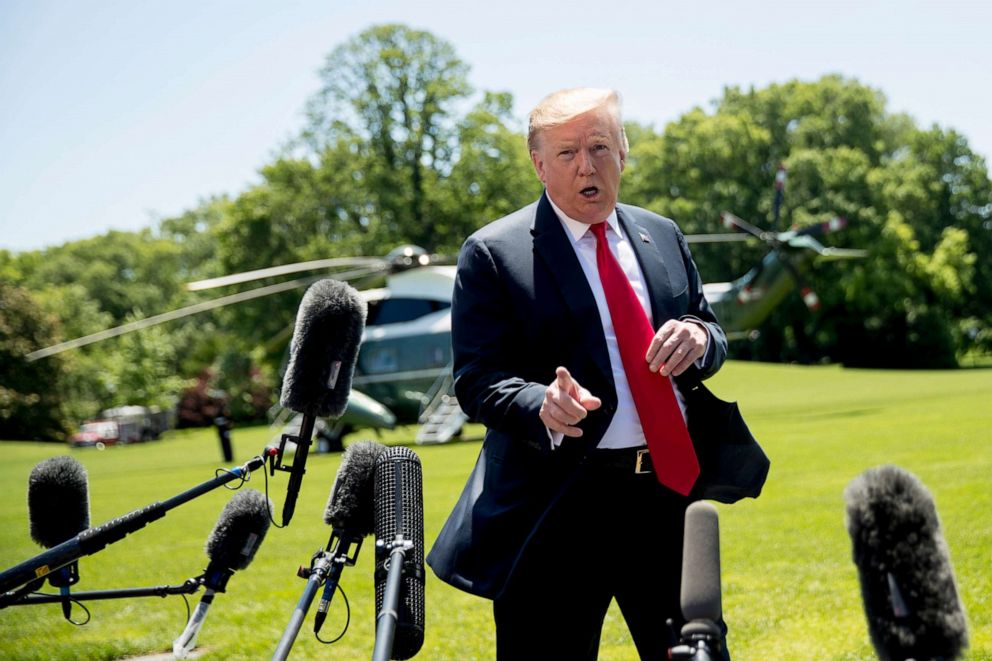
[
  {"x": 431, "y": 282},
  {"x": 716, "y": 290}
]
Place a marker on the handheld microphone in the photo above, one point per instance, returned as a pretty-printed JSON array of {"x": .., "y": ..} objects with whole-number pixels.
[
  {"x": 322, "y": 357},
  {"x": 399, "y": 568},
  {"x": 349, "y": 510},
  {"x": 700, "y": 596},
  {"x": 58, "y": 510},
  {"x": 907, "y": 581},
  {"x": 231, "y": 546}
]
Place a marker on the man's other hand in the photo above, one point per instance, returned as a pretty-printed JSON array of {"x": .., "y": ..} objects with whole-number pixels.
[{"x": 676, "y": 346}]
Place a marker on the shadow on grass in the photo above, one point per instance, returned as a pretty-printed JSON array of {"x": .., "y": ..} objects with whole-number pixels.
[{"x": 825, "y": 415}]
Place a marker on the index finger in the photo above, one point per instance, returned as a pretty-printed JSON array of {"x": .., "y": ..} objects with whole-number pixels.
[
  {"x": 659, "y": 338},
  {"x": 564, "y": 378}
]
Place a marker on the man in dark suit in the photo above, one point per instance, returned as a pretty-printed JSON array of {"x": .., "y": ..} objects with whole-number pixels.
[{"x": 563, "y": 511}]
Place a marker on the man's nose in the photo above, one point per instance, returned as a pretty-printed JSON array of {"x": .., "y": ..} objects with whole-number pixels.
[{"x": 586, "y": 167}]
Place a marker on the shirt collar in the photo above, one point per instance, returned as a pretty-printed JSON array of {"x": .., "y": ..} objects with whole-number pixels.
[{"x": 577, "y": 229}]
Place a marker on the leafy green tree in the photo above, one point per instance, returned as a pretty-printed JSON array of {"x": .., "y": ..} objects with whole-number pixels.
[
  {"x": 143, "y": 369},
  {"x": 379, "y": 165},
  {"x": 701, "y": 166},
  {"x": 918, "y": 200},
  {"x": 123, "y": 272},
  {"x": 492, "y": 175},
  {"x": 390, "y": 94},
  {"x": 30, "y": 407},
  {"x": 83, "y": 390},
  {"x": 194, "y": 235},
  {"x": 248, "y": 387}
]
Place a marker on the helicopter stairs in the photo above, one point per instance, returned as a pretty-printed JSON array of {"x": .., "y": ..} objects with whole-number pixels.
[{"x": 442, "y": 419}]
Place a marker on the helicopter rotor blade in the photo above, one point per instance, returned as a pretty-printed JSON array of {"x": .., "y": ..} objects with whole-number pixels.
[
  {"x": 730, "y": 220},
  {"x": 726, "y": 237},
  {"x": 835, "y": 254},
  {"x": 187, "y": 311},
  {"x": 374, "y": 263}
]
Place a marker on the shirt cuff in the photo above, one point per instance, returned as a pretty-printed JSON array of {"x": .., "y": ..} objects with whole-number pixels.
[{"x": 699, "y": 362}]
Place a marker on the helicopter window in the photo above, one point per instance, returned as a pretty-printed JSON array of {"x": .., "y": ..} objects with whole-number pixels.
[
  {"x": 383, "y": 360},
  {"x": 396, "y": 310}
]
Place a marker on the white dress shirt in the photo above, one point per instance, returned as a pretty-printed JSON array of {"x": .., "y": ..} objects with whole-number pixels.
[{"x": 625, "y": 427}]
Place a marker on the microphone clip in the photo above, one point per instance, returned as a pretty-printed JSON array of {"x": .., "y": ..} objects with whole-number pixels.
[
  {"x": 384, "y": 547},
  {"x": 65, "y": 576},
  {"x": 276, "y": 454},
  {"x": 215, "y": 578},
  {"x": 701, "y": 641},
  {"x": 384, "y": 550},
  {"x": 341, "y": 550}
]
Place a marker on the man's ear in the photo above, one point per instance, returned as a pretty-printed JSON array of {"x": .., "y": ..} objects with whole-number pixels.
[{"x": 623, "y": 160}]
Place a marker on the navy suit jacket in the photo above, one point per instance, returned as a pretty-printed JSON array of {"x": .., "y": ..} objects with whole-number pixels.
[{"x": 522, "y": 306}]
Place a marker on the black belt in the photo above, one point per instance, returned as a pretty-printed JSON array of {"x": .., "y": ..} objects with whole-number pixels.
[{"x": 633, "y": 460}]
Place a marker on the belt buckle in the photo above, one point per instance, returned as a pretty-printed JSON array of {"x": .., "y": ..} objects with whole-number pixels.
[{"x": 639, "y": 467}]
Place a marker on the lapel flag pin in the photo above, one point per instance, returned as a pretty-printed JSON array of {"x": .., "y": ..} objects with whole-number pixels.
[{"x": 645, "y": 238}]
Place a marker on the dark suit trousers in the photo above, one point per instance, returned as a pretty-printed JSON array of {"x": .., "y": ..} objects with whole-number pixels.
[{"x": 613, "y": 535}]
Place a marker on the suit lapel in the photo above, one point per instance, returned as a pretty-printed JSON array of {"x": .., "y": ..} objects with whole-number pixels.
[
  {"x": 646, "y": 248},
  {"x": 555, "y": 250}
]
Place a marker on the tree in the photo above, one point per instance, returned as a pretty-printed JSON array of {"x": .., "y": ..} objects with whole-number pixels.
[
  {"x": 389, "y": 94},
  {"x": 30, "y": 407},
  {"x": 918, "y": 200},
  {"x": 492, "y": 175}
]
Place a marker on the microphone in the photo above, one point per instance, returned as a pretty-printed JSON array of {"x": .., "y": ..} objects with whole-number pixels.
[
  {"x": 231, "y": 546},
  {"x": 97, "y": 538},
  {"x": 58, "y": 510},
  {"x": 349, "y": 511},
  {"x": 907, "y": 581},
  {"x": 399, "y": 567},
  {"x": 700, "y": 596},
  {"x": 322, "y": 357}
]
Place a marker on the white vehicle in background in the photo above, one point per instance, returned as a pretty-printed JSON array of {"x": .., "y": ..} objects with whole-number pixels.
[
  {"x": 101, "y": 433},
  {"x": 120, "y": 425}
]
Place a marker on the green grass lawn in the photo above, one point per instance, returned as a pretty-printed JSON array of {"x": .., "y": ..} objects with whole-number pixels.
[{"x": 790, "y": 590}]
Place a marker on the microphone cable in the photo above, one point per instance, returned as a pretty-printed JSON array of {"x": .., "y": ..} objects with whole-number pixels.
[{"x": 347, "y": 619}]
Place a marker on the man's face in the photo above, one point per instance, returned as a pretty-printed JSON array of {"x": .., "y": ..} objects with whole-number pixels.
[{"x": 579, "y": 162}]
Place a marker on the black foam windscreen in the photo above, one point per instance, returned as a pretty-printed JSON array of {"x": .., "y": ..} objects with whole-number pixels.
[
  {"x": 701, "y": 594},
  {"x": 908, "y": 590},
  {"x": 58, "y": 501},
  {"x": 324, "y": 349},
  {"x": 240, "y": 530},
  {"x": 350, "y": 505},
  {"x": 399, "y": 510}
]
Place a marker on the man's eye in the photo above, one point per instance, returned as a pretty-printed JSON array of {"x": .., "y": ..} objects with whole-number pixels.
[
  {"x": 566, "y": 152},
  {"x": 600, "y": 148}
]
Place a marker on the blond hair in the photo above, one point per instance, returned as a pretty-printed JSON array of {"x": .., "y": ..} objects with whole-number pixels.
[{"x": 561, "y": 106}]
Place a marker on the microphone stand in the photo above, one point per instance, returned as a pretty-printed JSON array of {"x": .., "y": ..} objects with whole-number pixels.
[
  {"x": 189, "y": 587},
  {"x": 700, "y": 642},
  {"x": 95, "y": 539},
  {"x": 385, "y": 624},
  {"x": 298, "y": 469},
  {"x": 325, "y": 565}
]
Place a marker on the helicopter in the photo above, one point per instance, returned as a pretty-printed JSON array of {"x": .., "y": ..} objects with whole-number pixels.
[{"x": 403, "y": 373}]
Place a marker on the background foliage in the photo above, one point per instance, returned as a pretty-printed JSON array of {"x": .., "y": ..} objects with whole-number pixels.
[{"x": 398, "y": 148}]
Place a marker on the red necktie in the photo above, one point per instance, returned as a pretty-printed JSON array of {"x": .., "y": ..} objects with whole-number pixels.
[{"x": 672, "y": 453}]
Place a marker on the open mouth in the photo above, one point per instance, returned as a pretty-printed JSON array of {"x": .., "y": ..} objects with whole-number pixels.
[{"x": 589, "y": 192}]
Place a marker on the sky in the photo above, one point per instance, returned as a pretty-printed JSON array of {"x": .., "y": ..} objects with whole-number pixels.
[{"x": 114, "y": 114}]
